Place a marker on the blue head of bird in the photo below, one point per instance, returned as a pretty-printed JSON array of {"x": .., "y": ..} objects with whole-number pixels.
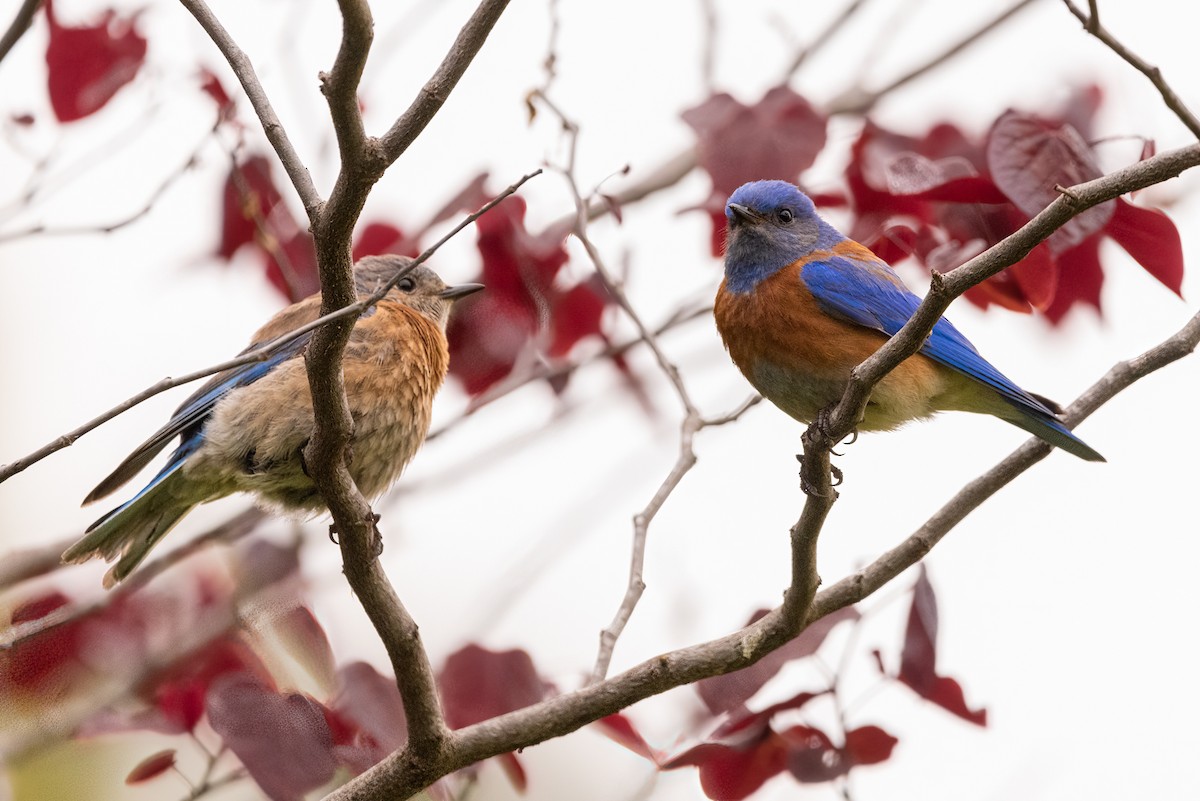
[{"x": 771, "y": 225}]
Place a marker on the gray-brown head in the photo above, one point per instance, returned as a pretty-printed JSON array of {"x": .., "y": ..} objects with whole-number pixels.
[{"x": 420, "y": 289}]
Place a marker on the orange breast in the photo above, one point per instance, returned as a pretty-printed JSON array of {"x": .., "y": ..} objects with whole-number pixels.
[{"x": 800, "y": 358}]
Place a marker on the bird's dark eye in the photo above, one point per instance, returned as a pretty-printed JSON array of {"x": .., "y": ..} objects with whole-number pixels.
[
  {"x": 406, "y": 284},
  {"x": 785, "y": 216}
]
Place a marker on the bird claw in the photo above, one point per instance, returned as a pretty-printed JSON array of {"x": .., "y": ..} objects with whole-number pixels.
[{"x": 376, "y": 536}]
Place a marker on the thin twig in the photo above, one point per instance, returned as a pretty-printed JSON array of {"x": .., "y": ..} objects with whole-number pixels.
[
  {"x": 42, "y": 229},
  {"x": 240, "y": 63},
  {"x": 823, "y": 38},
  {"x": 860, "y": 101},
  {"x": 855, "y": 587},
  {"x": 258, "y": 354},
  {"x": 435, "y": 91},
  {"x": 1091, "y": 23},
  {"x": 398, "y": 777},
  {"x": 21, "y": 22},
  {"x": 692, "y": 421}
]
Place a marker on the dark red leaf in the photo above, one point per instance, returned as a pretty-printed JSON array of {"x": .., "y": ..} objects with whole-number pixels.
[
  {"x": 619, "y": 728},
  {"x": 281, "y": 739},
  {"x": 42, "y": 661},
  {"x": 731, "y": 773},
  {"x": 378, "y": 238},
  {"x": 370, "y": 704},
  {"x": 918, "y": 660},
  {"x": 513, "y": 770},
  {"x": 1028, "y": 156},
  {"x": 812, "y": 756},
  {"x": 1037, "y": 277},
  {"x": 778, "y": 137},
  {"x": 730, "y": 691},
  {"x": 210, "y": 84},
  {"x": 517, "y": 265},
  {"x": 1151, "y": 238},
  {"x": 292, "y": 264},
  {"x": 24, "y": 120},
  {"x": 472, "y": 197},
  {"x": 178, "y": 693},
  {"x": 152, "y": 766},
  {"x": 38, "y": 607},
  {"x": 576, "y": 314},
  {"x": 88, "y": 64},
  {"x": 868, "y": 745},
  {"x": 249, "y": 196},
  {"x": 1080, "y": 279},
  {"x": 741, "y": 720},
  {"x": 487, "y": 334},
  {"x": 477, "y": 684}
]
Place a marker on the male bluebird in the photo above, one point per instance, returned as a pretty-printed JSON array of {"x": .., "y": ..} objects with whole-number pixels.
[
  {"x": 246, "y": 428},
  {"x": 801, "y": 306}
]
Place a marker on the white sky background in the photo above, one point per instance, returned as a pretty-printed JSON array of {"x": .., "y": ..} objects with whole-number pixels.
[{"x": 1066, "y": 601}]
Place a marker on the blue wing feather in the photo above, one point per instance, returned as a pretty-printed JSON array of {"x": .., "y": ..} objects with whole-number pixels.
[
  {"x": 870, "y": 294},
  {"x": 192, "y": 413}
]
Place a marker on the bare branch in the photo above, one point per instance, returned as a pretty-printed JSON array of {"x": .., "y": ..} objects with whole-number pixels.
[
  {"x": 866, "y": 581},
  {"x": 824, "y": 37},
  {"x": 435, "y": 91},
  {"x": 240, "y": 63},
  {"x": 860, "y": 101},
  {"x": 1091, "y": 23},
  {"x": 21, "y": 22},
  {"x": 1010, "y": 250}
]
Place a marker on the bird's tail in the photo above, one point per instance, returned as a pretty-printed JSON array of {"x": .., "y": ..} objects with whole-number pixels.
[
  {"x": 1046, "y": 427},
  {"x": 136, "y": 526}
]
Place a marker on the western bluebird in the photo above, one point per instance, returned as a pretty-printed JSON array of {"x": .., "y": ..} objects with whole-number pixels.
[
  {"x": 246, "y": 428},
  {"x": 801, "y": 305}
]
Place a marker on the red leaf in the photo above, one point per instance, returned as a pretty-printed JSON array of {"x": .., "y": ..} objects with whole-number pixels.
[
  {"x": 731, "y": 773},
  {"x": 778, "y": 137},
  {"x": 292, "y": 264},
  {"x": 1150, "y": 237},
  {"x": 620, "y": 729},
  {"x": 517, "y": 265},
  {"x": 1037, "y": 277},
  {"x": 732, "y": 690},
  {"x": 1080, "y": 279},
  {"x": 281, "y": 739},
  {"x": 918, "y": 660},
  {"x": 477, "y": 684},
  {"x": 179, "y": 692},
  {"x": 470, "y": 199},
  {"x": 741, "y": 720},
  {"x": 487, "y": 334},
  {"x": 812, "y": 756},
  {"x": 1028, "y": 156},
  {"x": 370, "y": 703},
  {"x": 513, "y": 770},
  {"x": 249, "y": 195},
  {"x": 868, "y": 745},
  {"x": 378, "y": 238},
  {"x": 43, "y": 660},
  {"x": 576, "y": 314},
  {"x": 152, "y": 766},
  {"x": 88, "y": 64},
  {"x": 211, "y": 85},
  {"x": 38, "y": 607}
]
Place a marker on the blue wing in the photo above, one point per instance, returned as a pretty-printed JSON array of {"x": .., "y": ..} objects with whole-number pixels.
[
  {"x": 190, "y": 416},
  {"x": 870, "y": 294}
]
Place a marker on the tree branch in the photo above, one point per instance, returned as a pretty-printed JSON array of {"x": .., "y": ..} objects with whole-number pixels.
[
  {"x": 21, "y": 22},
  {"x": 240, "y": 63},
  {"x": 1091, "y": 23},
  {"x": 435, "y": 91},
  {"x": 854, "y": 588}
]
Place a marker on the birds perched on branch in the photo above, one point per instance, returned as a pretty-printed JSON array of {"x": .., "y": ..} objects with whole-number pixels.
[
  {"x": 801, "y": 305},
  {"x": 246, "y": 428}
]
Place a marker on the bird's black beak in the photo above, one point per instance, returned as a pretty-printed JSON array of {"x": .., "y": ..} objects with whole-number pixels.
[
  {"x": 743, "y": 214},
  {"x": 460, "y": 291}
]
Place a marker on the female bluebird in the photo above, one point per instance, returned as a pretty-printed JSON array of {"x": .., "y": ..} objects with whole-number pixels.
[
  {"x": 246, "y": 428},
  {"x": 801, "y": 306}
]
